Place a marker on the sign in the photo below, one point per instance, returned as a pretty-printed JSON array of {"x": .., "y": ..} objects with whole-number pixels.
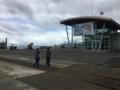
[{"x": 84, "y": 29}]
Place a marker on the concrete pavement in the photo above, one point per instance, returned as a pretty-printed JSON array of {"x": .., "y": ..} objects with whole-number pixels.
[
  {"x": 16, "y": 72},
  {"x": 17, "y": 77},
  {"x": 9, "y": 83}
]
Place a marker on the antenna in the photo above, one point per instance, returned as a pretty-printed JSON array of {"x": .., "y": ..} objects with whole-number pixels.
[{"x": 92, "y": 7}]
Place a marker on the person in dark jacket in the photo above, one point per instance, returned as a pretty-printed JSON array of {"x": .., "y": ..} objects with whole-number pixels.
[
  {"x": 37, "y": 58},
  {"x": 48, "y": 56}
]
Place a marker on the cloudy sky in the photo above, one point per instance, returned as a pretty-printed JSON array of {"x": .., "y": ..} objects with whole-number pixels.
[{"x": 37, "y": 21}]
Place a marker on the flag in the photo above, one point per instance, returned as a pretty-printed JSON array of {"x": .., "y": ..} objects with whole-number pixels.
[{"x": 101, "y": 13}]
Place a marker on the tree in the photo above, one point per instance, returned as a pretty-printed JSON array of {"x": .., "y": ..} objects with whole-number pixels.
[{"x": 30, "y": 46}]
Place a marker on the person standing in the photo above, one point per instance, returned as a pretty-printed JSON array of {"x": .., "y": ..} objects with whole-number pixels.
[
  {"x": 48, "y": 56},
  {"x": 37, "y": 58}
]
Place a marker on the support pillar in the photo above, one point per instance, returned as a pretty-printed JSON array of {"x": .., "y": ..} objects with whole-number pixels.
[
  {"x": 72, "y": 34},
  {"x": 67, "y": 35}
]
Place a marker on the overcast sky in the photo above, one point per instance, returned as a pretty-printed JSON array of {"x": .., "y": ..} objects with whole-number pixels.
[{"x": 38, "y": 21}]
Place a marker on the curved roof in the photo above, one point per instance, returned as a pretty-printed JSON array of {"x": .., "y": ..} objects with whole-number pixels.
[{"x": 110, "y": 23}]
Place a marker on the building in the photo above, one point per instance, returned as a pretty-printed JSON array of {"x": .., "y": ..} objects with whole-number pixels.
[
  {"x": 3, "y": 45},
  {"x": 98, "y": 33}
]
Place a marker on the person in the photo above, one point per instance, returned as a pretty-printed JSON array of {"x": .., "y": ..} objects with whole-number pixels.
[
  {"x": 48, "y": 56},
  {"x": 37, "y": 58}
]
